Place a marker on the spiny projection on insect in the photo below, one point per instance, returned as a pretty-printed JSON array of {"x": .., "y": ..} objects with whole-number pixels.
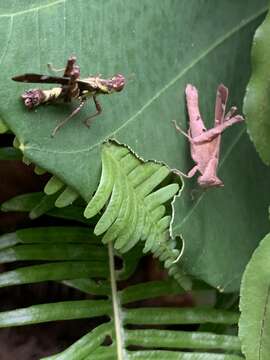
[{"x": 72, "y": 88}]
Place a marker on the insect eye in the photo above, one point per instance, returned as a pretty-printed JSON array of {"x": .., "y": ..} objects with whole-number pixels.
[{"x": 27, "y": 102}]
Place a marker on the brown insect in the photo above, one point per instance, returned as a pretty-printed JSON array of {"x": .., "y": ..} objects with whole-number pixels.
[{"x": 72, "y": 88}]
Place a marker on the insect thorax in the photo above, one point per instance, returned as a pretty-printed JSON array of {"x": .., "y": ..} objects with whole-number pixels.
[{"x": 98, "y": 85}]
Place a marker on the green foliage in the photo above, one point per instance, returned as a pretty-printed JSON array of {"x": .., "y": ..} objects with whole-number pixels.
[
  {"x": 257, "y": 104},
  {"x": 171, "y": 45},
  {"x": 9, "y": 153},
  {"x": 176, "y": 46},
  {"x": 30, "y": 202},
  {"x": 76, "y": 257},
  {"x": 135, "y": 207},
  {"x": 39, "y": 204},
  {"x": 254, "y": 325},
  {"x": 3, "y": 127}
]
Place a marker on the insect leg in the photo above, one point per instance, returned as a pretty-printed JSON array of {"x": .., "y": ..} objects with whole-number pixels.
[
  {"x": 190, "y": 174},
  {"x": 210, "y": 134},
  {"x": 177, "y": 127},
  {"x": 221, "y": 101},
  {"x": 230, "y": 113},
  {"x": 87, "y": 122},
  {"x": 70, "y": 67},
  {"x": 67, "y": 70},
  {"x": 53, "y": 69},
  {"x": 62, "y": 123},
  {"x": 209, "y": 177},
  {"x": 72, "y": 90}
]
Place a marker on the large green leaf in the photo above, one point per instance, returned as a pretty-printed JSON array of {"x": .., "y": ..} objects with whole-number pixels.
[
  {"x": 256, "y": 104},
  {"x": 254, "y": 328},
  {"x": 160, "y": 45}
]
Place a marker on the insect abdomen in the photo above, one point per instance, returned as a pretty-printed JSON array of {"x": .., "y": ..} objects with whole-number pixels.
[{"x": 34, "y": 97}]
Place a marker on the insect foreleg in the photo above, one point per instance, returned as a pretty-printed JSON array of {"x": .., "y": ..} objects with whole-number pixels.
[
  {"x": 53, "y": 69},
  {"x": 177, "y": 127},
  {"x": 62, "y": 123},
  {"x": 87, "y": 122},
  {"x": 67, "y": 70}
]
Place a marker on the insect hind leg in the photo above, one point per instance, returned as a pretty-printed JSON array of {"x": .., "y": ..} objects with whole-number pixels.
[
  {"x": 62, "y": 123},
  {"x": 190, "y": 174}
]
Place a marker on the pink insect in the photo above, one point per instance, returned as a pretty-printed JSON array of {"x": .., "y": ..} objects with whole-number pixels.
[{"x": 205, "y": 144}]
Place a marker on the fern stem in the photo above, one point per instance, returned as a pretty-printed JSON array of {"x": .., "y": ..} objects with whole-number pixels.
[{"x": 116, "y": 309}]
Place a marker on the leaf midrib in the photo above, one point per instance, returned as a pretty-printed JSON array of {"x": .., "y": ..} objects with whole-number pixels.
[
  {"x": 263, "y": 323},
  {"x": 159, "y": 93}
]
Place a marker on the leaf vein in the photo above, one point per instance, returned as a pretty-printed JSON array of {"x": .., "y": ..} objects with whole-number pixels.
[
  {"x": 8, "y": 41},
  {"x": 33, "y": 9}
]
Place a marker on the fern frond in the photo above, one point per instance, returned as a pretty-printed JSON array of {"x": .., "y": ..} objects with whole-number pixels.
[
  {"x": 77, "y": 258},
  {"x": 65, "y": 195},
  {"x": 135, "y": 208},
  {"x": 3, "y": 127},
  {"x": 16, "y": 143},
  {"x": 31, "y": 201},
  {"x": 135, "y": 196},
  {"x": 10, "y": 153},
  {"x": 53, "y": 186},
  {"x": 39, "y": 171},
  {"x": 135, "y": 199}
]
